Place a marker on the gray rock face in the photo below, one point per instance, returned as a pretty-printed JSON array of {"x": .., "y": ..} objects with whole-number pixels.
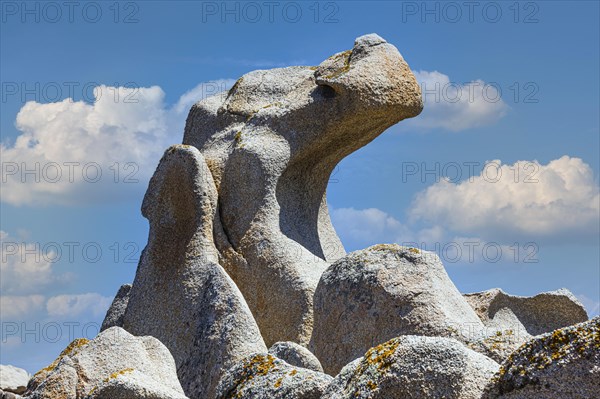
[
  {"x": 384, "y": 291},
  {"x": 296, "y": 355},
  {"x": 116, "y": 312},
  {"x": 132, "y": 384},
  {"x": 415, "y": 367},
  {"x": 114, "y": 354},
  {"x": 263, "y": 376},
  {"x": 561, "y": 364},
  {"x": 13, "y": 379},
  {"x": 497, "y": 344},
  {"x": 180, "y": 294},
  {"x": 9, "y": 395},
  {"x": 271, "y": 145},
  {"x": 535, "y": 315}
]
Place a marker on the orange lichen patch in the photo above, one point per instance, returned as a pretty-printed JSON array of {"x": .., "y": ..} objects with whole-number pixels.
[
  {"x": 278, "y": 382},
  {"x": 380, "y": 356},
  {"x": 258, "y": 365}
]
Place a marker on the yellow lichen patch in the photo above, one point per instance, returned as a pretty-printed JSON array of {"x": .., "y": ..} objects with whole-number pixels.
[
  {"x": 372, "y": 386},
  {"x": 547, "y": 350},
  {"x": 118, "y": 373},
  {"x": 345, "y": 68},
  {"x": 414, "y": 250},
  {"x": 275, "y": 104},
  {"x": 278, "y": 382},
  {"x": 293, "y": 372},
  {"x": 70, "y": 349},
  {"x": 258, "y": 365},
  {"x": 381, "y": 247},
  {"x": 238, "y": 136},
  {"x": 380, "y": 356}
]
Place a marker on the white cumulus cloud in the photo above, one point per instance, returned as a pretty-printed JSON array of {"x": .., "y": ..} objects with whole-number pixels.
[
  {"x": 455, "y": 106},
  {"x": 26, "y": 267},
  {"x": 559, "y": 200},
  {"x": 360, "y": 228},
  {"x": 90, "y": 304},
  {"x": 74, "y": 152},
  {"x": 20, "y": 306}
]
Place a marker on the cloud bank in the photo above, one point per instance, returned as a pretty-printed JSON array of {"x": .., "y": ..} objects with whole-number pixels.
[{"x": 72, "y": 152}]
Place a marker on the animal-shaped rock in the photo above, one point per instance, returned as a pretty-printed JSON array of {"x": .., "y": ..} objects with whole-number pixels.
[
  {"x": 181, "y": 295},
  {"x": 271, "y": 145}
]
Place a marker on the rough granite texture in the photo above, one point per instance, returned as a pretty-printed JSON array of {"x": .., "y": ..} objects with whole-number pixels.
[
  {"x": 296, "y": 355},
  {"x": 84, "y": 366},
  {"x": 132, "y": 384},
  {"x": 181, "y": 295},
  {"x": 535, "y": 315},
  {"x": 263, "y": 376},
  {"x": 116, "y": 312},
  {"x": 13, "y": 379},
  {"x": 497, "y": 344},
  {"x": 9, "y": 395},
  {"x": 561, "y": 364},
  {"x": 373, "y": 295},
  {"x": 415, "y": 367},
  {"x": 271, "y": 144}
]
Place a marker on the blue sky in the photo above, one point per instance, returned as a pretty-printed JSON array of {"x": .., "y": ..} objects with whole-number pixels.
[{"x": 106, "y": 88}]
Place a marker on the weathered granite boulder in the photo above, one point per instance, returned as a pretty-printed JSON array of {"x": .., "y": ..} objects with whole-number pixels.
[
  {"x": 495, "y": 343},
  {"x": 511, "y": 320},
  {"x": 296, "y": 355},
  {"x": 9, "y": 395},
  {"x": 71, "y": 350},
  {"x": 415, "y": 367},
  {"x": 116, "y": 312},
  {"x": 132, "y": 384},
  {"x": 181, "y": 295},
  {"x": 382, "y": 292},
  {"x": 263, "y": 376},
  {"x": 535, "y": 315},
  {"x": 561, "y": 364},
  {"x": 271, "y": 145},
  {"x": 13, "y": 379},
  {"x": 86, "y": 366}
]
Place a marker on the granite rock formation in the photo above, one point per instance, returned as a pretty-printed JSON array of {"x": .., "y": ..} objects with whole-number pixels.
[
  {"x": 271, "y": 145},
  {"x": 181, "y": 295}
]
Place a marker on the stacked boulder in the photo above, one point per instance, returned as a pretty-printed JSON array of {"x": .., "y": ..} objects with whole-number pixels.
[
  {"x": 242, "y": 256},
  {"x": 114, "y": 365}
]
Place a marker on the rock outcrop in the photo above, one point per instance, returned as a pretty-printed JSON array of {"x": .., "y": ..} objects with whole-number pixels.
[
  {"x": 373, "y": 295},
  {"x": 116, "y": 312},
  {"x": 415, "y": 367},
  {"x": 13, "y": 379},
  {"x": 263, "y": 376},
  {"x": 296, "y": 355},
  {"x": 561, "y": 364},
  {"x": 9, "y": 395},
  {"x": 181, "y": 295},
  {"x": 271, "y": 145},
  {"x": 535, "y": 315},
  {"x": 85, "y": 368}
]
